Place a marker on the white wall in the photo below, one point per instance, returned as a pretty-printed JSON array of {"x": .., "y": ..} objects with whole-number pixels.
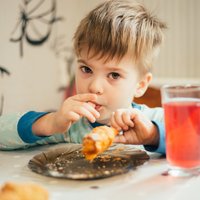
[
  {"x": 179, "y": 56},
  {"x": 36, "y": 77}
]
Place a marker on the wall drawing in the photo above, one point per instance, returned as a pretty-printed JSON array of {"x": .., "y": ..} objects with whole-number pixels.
[
  {"x": 31, "y": 15},
  {"x": 3, "y": 71}
]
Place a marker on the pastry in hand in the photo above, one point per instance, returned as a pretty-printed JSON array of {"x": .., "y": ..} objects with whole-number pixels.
[
  {"x": 98, "y": 141},
  {"x": 19, "y": 191}
]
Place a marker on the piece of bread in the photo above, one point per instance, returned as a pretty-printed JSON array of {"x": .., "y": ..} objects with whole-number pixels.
[
  {"x": 98, "y": 141},
  {"x": 19, "y": 191}
]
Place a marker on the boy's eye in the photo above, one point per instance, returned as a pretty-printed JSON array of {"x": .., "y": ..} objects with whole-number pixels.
[
  {"x": 114, "y": 75},
  {"x": 86, "y": 69}
]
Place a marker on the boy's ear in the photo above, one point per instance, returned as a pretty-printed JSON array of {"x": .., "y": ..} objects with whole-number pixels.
[{"x": 143, "y": 85}]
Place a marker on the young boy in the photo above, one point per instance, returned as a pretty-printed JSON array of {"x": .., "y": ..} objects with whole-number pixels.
[{"x": 115, "y": 45}]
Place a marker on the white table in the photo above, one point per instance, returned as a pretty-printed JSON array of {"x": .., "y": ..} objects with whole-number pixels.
[{"x": 146, "y": 182}]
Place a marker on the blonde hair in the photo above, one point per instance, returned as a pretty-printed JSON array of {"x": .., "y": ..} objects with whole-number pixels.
[{"x": 118, "y": 27}]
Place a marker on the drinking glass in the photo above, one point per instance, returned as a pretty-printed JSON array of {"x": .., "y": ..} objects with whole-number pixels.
[{"x": 182, "y": 123}]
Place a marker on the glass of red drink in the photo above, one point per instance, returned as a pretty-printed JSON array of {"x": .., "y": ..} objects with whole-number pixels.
[{"x": 182, "y": 123}]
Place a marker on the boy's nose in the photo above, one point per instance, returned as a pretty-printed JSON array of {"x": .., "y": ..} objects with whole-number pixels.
[{"x": 96, "y": 87}]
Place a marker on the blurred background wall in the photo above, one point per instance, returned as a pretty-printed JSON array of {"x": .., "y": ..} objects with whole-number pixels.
[
  {"x": 36, "y": 57},
  {"x": 179, "y": 56}
]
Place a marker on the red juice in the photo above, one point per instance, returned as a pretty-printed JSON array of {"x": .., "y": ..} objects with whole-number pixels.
[{"x": 182, "y": 122}]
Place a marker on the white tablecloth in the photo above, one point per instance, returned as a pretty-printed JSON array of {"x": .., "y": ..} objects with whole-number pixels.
[{"x": 146, "y": 182}]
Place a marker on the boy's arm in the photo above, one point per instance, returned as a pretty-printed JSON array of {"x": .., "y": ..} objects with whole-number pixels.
[
  {"x": 9, "y": 137},
  {"x": 161, "y": 147},
  {"x": 25, "y": 126},
  {"x": 156, "y": 115},
  {"x": 16, "y": 131}
]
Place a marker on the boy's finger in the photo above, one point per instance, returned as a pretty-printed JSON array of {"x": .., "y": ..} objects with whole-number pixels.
[
  {"x": 120, "y": 139},
  {"x": 91, "y": 108},
  {"x": 85, "y": 97},
  {"x": 114, "y": 124},
  {"x": 86, "y": 113},
  {"x": 127, "y": 119},
  {"x": 118, "y": 119},
  {"x": 73, "y": 116}
]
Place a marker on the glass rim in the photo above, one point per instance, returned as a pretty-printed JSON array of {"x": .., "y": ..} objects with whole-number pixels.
[{"x": 174, "y": 87}]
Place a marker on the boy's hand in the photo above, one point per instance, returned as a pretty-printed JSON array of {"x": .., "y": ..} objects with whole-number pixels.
[
  {"x": 74, "y": 108},
  {"x": 137, "y": 128}
]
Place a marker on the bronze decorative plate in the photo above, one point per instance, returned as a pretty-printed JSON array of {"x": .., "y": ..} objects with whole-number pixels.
[{"x": 68, "y": 162}]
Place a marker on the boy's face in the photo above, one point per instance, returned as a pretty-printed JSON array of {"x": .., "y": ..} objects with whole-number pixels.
[{"x": 115, "y": 82}]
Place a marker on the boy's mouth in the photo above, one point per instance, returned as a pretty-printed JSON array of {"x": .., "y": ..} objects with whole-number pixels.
[{"x": 97, "y": 106}]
